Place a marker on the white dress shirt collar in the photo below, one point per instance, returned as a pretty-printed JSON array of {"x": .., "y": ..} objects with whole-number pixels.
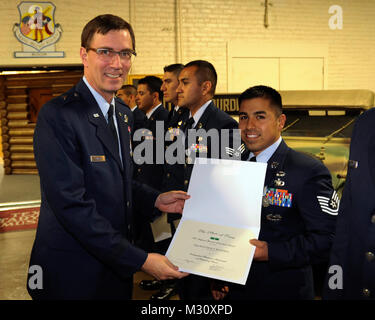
[
  {"x": 149, "y": 114},
  {"x": 103, "y": 104},
  {"x": 199, "y": 113},
  {"x": 266, "y": 154}
]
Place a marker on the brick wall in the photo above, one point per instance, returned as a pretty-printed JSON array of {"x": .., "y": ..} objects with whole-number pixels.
[{"x": 206, "y": 26}]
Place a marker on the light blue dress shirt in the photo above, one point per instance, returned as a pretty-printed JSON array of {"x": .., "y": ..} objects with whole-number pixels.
[
  {"x": 266, "y": 154},
  {"x": 104, "y": 107}
]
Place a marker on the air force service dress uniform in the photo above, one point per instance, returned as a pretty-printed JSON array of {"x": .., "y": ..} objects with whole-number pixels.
[
  {"x": 150, "y": 174},
  {"x": 83, "y": 241},
  {"x": 196, "y": 287},
  {"x": 297, "y": 221},
  {"x": 352, "y": 264}
]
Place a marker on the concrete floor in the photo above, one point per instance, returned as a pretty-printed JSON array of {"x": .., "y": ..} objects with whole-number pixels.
[
  {"x": 15, "y": 247},
  {"x": 18, "y": 187}
]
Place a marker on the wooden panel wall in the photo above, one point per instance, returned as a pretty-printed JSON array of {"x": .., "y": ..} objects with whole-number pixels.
[{"x": 16, "y": 127}]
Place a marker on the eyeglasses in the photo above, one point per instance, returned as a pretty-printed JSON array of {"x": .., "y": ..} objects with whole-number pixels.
[{"x": 108, "y": 54}]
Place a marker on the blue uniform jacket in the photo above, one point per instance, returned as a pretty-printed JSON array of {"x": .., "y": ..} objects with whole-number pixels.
[
  {"x": 298, "y": 223},
  {"x": 83, "y": 240},
  {"x": 352, "y": 264}
]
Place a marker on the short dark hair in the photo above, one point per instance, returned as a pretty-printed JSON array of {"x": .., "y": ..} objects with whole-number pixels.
[
  {"x": 205, "y": 72},
  {"x": 263, "y": 92},
  {"x": 103, "y": 24},
  {"x": 153, "y": 84},
  {"x": 175, "y": 68},
  {"x": 129, "y": 89}
]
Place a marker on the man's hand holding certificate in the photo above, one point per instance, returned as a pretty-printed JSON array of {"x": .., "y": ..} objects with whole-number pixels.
[{"x": 223, "y": 213}]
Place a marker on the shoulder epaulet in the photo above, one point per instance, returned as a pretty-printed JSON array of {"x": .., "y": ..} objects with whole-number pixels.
[
  {"x": 69, "y": 96},
  {"x": 119, "y": 101}
]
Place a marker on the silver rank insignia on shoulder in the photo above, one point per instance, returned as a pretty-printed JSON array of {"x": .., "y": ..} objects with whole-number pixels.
[
  {"x": 96, "y": 115},
  {"x": 330, "y": 205},
  {"x": 353, "y": 164}
]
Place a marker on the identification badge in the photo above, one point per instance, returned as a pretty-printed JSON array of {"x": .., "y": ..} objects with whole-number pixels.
[
  {"x": 97, "y": 158},
  {"x": 278, "y": 197}
]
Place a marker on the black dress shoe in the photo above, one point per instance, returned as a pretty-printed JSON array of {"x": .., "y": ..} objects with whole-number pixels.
[
  {"x": 164, "y": 294},
  {"x": 150, "y": 284}
]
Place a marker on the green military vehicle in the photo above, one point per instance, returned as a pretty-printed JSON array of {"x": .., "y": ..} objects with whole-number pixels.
[{"x": 319, "y": 122}]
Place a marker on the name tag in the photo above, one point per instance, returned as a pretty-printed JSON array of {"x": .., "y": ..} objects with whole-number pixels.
[{"x": 97, "y": 158}]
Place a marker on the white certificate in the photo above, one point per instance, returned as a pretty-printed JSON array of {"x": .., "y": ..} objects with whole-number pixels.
[{"x": 219, "y": 219}]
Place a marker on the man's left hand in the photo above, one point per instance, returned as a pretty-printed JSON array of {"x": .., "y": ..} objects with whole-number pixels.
[
  {"x": 172, "y": 201},
  {"x": 261, "y": 250}
]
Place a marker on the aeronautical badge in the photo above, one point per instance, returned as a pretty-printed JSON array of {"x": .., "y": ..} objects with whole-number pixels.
[
  {"x": 274, "y": 165},
  {"x": 329, "y": 205},
  {"x": 235, "y": 153},
  {"x": 277, "y": 197}
]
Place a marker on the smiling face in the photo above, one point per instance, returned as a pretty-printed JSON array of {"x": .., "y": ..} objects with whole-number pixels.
[
  {"x": 106, "y": 77},
  {"x": 260, "y": 124}
]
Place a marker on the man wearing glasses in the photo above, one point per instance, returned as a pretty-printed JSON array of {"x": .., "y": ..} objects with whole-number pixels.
[{"x": 83, "y": 153}]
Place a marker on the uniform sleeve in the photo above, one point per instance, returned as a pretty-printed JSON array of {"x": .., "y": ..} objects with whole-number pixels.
[
  {"x": 144, "y": 198},
  {"x": 317, "y": 204},
  {"x": 341, "y": 240},
  {"x": 58, "y": 157}
]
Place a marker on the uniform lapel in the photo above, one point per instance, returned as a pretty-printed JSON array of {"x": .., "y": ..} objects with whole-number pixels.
[
  {"x": 202, "y": 123},
  {"x": 276, "y": 163},
  {"x": 96, "y": 117},
  {"x": 124, "y": 133}
]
